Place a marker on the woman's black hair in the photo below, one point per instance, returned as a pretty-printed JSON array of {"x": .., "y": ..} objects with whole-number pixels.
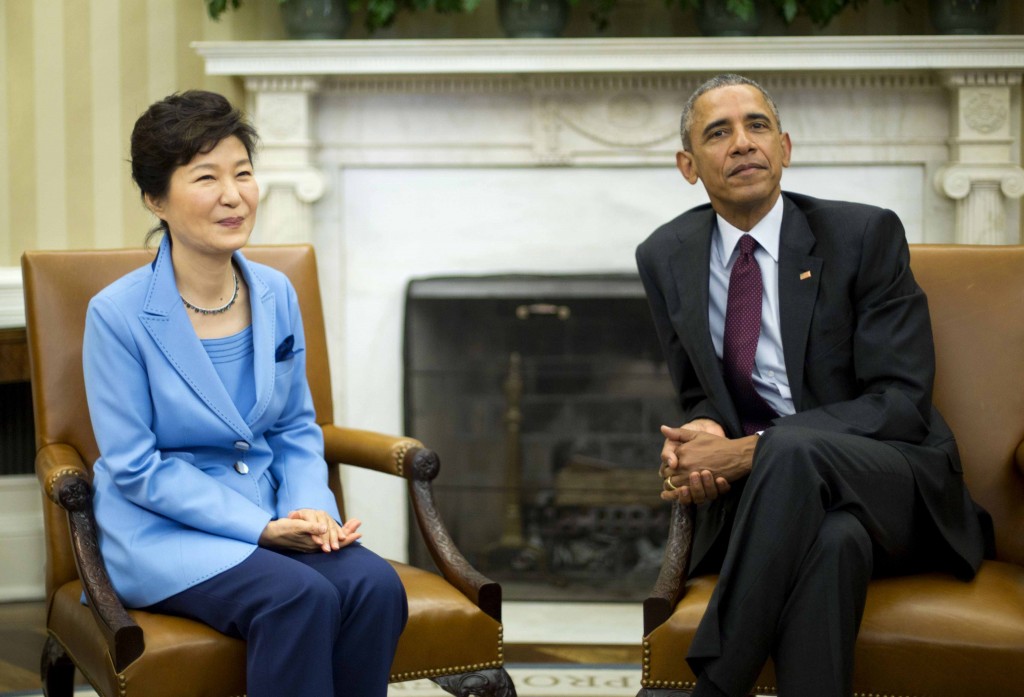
[{"x": 177, "y": 128}]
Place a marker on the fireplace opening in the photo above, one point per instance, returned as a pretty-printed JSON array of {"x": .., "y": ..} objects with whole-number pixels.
[
  {"x": 543, "y": 396},
  {"x": 17, "y": 427}
]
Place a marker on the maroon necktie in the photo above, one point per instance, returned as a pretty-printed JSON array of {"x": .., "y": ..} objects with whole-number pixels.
[{"x": 742, "y": 330}]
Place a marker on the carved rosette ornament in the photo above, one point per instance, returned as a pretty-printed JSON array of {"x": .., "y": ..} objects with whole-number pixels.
[
  {"x": 986, "y": 112},
  {"x": 425, "y": 464}
]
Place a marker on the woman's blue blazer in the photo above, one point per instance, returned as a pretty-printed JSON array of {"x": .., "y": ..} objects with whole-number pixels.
[{"x": 172, "y": 507}]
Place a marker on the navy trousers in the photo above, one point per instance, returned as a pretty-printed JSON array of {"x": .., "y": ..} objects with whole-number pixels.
[
  {"x": 818, "y": 514},
  {"x": 316, "y": 625}
]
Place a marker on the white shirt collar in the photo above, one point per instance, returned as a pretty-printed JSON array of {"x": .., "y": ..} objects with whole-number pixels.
[{"x": 767, "y": 233}]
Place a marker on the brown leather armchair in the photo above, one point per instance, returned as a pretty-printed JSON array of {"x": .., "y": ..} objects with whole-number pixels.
[
  {"x": 454, "y": 633},
  {"x": 928, "y": 634}
]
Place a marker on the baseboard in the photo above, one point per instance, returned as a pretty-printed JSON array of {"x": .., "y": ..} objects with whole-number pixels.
[
  {"x": 22, "y": 542},
  {"x": 573, "y": 624},
  {"x": 12, "y": 303}
]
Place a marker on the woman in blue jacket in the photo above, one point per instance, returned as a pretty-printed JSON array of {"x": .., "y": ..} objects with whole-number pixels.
[{"x": 211, "y": 490}]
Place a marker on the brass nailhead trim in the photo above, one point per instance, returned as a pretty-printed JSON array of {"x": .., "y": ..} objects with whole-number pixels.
[
  {"x": 52, "y": 481},
  {"x": 401, "y": 449},
  {"x": 434, "y": 672},
  {"x": 687, "y": 685}
]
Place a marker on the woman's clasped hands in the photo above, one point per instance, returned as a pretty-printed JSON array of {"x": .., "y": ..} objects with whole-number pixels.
[{"x": 309, "y": 530}]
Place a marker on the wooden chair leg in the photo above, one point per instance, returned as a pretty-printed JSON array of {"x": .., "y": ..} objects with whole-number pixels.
[
  {"x": 56, "y": 670},
  {"x": 491, "y": 682}
]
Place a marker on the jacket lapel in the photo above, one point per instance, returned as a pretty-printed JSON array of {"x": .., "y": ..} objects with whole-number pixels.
[
  {"x": 691, "y": 261},
  {"x": 799, "y": 275},
  {"x": 165, "y": 318},
  {"x": 264, "y": 332}
]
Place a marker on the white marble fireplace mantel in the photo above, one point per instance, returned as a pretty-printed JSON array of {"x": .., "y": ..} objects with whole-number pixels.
[
  {"x": 402, "y": 158},
  {"x": 613, "y": 101}
]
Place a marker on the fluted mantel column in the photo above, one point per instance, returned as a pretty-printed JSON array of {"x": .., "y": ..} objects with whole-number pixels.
[
  {"x": 289, "y": 181},
  {"x": 984, "y": 176}
]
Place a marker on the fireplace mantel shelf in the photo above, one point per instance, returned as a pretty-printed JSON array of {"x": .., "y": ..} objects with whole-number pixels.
[{"x": 608, "y": 56}]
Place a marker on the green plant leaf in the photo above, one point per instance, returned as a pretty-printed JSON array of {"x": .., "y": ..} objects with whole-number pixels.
[
  {"x": 215, "y": 8},
  {"x": 788, "y": 9},
  {"x": 379, "y": 14},
  {"x": 744, "y": 9}
]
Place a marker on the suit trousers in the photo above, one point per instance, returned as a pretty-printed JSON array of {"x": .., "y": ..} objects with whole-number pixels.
[
  {"x": 817, "y": 515},
  {"x": 316, "y": 625}
]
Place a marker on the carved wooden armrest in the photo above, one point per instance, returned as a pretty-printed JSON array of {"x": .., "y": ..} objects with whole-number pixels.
[
  {"x": 407, "y": 458},
  {"x": 671, "y": 584},
  {"x": 423, "y": 465},
  {"x": 65, "y": 479}
]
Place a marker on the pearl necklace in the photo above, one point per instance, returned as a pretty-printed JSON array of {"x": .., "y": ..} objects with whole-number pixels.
[{"x": 217, "y": 310}]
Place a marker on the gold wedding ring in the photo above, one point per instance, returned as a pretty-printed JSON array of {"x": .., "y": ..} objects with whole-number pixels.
[{"x": 669, "y": 486}]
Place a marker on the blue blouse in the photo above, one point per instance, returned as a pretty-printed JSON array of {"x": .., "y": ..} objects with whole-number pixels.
[{"x": 232, "y": 358}]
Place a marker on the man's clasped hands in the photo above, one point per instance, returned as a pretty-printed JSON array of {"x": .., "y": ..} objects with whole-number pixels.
[{"x": 698, "y": 463}]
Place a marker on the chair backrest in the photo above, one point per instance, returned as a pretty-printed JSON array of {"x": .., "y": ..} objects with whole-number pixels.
[
  {"x": 58, "y": 287},
  {"x": 976, "y": 299}
]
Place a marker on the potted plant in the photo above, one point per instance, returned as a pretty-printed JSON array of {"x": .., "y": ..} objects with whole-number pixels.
[
  {"x": 534, "y": 19},
  {"x": 329, "y": 19},
  {"x": 382, "y": 13},
  {"x": 743, "y": 17},
  {"x": 964, "y": 16},
  {"x": 303, "y": 19}
]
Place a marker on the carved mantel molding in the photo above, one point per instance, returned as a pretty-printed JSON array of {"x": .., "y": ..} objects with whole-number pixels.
[
  {"x": 613, "y": 56},
  {"x": 983, "y": 176},
  {"x": 595, "y": 102}
]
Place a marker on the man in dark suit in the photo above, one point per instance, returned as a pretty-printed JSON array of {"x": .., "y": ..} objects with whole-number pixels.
[{"x": 800, "y": 348}]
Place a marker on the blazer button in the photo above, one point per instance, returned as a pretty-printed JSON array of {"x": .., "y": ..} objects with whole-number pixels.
[
  {"x": 241, "y": 467},
  {"x": 241, "y": 445}
]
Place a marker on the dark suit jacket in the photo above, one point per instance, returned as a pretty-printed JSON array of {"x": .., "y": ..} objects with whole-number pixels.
[{"x": 856, "y": 337}]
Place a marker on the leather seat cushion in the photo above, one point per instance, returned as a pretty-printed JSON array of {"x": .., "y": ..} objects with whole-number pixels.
[
  {"x": 927, "y": 634},
  {"x": 187, "y": 657},
  {"x": 182, "y": 657},
  {"x": 443, "y": 624}
]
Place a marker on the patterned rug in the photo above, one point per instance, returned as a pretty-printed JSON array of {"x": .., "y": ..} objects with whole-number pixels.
[{"x": 534, "y": 680}]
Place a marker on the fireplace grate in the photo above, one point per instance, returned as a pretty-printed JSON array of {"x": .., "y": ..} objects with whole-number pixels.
[{"x": 543, "y": 396}]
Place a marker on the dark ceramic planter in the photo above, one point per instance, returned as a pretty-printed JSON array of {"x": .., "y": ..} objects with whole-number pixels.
[
  {"x": 533, "y": 19},
  {"x": 316, "y": 19},
  {"x": 964, "y": 16},
  {"x": 715, "y": 19}
]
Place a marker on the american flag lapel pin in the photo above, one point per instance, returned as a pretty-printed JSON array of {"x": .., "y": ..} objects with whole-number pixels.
[{"x": 805, "y": 275}]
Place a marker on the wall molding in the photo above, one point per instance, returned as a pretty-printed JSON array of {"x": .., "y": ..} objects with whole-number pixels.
[{"x": 12, "y": 302}]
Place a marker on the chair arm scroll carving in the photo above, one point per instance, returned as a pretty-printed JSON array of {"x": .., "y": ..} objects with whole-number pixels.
[
  {"x": 671, "y": 584},
  {"x": 422, "y": 466},
  {"x": 67, "y": 484}
]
